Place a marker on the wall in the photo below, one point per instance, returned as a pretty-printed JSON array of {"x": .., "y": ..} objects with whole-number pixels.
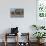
[{"x": 24, "y": 24}]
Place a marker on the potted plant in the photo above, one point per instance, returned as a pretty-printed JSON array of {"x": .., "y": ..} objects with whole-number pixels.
[
  {"x": 38, "y": 27},
  {"x": 42, "y": 27},
  {"x": 39, "y": 35},
  {"x": 35, "y": 26}
]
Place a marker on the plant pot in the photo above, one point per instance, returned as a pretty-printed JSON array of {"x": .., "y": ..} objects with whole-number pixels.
[{"x": 40, "y": 41}]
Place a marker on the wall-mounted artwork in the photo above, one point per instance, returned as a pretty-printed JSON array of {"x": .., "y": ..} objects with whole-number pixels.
[{"x": 17, "y": 12}]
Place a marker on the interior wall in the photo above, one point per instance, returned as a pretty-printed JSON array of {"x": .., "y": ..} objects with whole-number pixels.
[{"x": 24, "y": 23}]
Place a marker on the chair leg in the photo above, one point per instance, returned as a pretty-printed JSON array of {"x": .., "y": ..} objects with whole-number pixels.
[{"x": 5, "y": 42}]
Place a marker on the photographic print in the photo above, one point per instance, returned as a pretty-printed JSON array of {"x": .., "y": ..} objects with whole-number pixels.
[{"x": 17, "y": 12}]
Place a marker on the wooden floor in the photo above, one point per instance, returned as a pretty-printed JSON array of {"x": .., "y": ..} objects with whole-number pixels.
[{"x": 13, "y": 44}]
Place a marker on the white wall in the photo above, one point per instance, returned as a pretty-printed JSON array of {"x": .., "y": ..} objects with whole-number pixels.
[{"x": 23, "y": 23}]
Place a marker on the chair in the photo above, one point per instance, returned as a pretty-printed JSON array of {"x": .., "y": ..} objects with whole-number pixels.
[
  {"x": 25, "y": 36},
  {"x": 9, "y": 37},
  {"x": 14, "y": 32}
]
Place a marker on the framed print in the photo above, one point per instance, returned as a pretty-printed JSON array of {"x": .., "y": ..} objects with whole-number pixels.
[{"x": 17, "y": 12}]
